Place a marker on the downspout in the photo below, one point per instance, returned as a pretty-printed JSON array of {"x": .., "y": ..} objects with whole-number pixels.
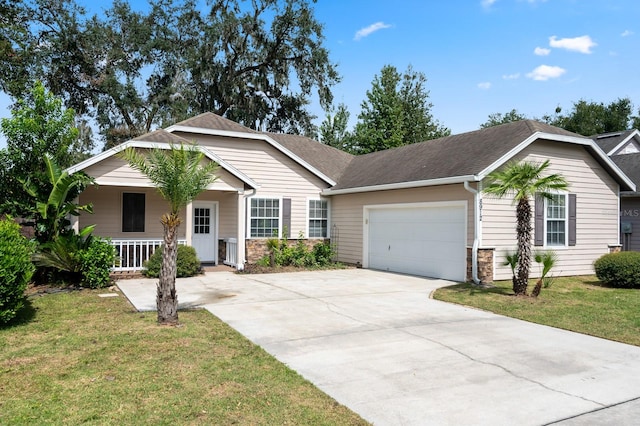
[{"x": 476, "y": 232}]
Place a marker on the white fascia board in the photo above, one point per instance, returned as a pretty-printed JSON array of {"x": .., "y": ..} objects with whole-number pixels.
[
  {"x": 253, "y": 136},
  {"x": 558, "y": 138},
  {"x": 228, "y": 167},
  {"x": 160, "y": 145},
  {"x": 401, "y": 185},
  {"x": 625, "y": 141}
]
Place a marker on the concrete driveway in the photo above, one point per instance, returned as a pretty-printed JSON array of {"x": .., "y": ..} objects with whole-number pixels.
[{"x": 378, "y": 344}]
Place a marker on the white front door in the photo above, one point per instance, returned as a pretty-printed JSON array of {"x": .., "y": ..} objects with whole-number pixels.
[{"x": 205, "y": 238}]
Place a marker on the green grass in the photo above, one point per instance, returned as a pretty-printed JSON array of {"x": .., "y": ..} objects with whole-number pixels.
[
  {"x": 75, "y": 358},
  {"x": 579, "y": 304}
]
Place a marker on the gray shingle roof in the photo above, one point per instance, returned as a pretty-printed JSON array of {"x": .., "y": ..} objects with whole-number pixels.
[
  {"x": 161, "y": 136},
  {"x": 609, "y": 141},
  {"x": 330, "y": 161},
  {"x": 458, "y": 155},
  {"x": 630, "y": 165},
  {"x": 209, "y": 120}
]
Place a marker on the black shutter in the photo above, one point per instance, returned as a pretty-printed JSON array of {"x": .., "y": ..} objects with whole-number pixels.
[
  {"x": 572, "y": 219},
  {"x": 538, "y": 224},
  {"x": 286, "y": 217}
]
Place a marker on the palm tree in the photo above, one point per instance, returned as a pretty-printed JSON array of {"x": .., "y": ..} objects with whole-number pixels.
[
  {"x": 524, "y": 181},
  {"x": 179, "y": 177}
]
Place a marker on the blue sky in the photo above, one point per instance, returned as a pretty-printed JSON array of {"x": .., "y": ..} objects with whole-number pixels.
[{"x": 482, "y": 56}]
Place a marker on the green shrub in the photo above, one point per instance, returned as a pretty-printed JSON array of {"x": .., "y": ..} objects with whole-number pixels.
[
  {"x": 619, "y": 269},
  {"x": 299, "y": 255},
  {"x": 188, "y": 263},
  {"x": 96, "y": 262},
  {"x": 16, "y": 269},
  {"x": 323, "y": 253}
]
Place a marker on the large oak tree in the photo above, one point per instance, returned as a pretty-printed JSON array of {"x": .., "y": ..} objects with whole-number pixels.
[{"x": 255, "y": 62}]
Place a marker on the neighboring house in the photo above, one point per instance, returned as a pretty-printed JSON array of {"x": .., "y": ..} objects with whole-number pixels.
[
  {"x": 417, "y": 209},
  {"x": 624, "y": 150}
]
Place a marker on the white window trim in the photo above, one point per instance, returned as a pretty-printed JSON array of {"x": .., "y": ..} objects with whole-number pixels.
[
  {"x": 566, "y": 222},
  {"x": 307, "y": 233},
  {"x": 249, "y": 217}
]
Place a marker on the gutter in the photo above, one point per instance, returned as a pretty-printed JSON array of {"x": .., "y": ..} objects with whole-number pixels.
[{"x": 476, "y": 231}]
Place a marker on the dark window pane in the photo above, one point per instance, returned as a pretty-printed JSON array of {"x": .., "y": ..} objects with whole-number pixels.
[{"x": 133, "y": 212}]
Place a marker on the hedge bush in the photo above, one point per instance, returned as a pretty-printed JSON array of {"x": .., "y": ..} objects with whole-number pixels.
[
  {"x": 188, "y": 263},
  {"x": 619, "y": 269},
  {"x": 96, "y": 262},
  {"x": 298, "y": 255},
  {"x": 16, "y": 269}
]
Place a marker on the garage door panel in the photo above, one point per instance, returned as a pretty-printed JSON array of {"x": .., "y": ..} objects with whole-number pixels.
[{"x": 429, "y": 241}]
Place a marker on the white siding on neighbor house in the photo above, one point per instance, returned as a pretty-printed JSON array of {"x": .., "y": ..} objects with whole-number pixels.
[
  {"x": 596, "y": 213},
  {"x": 277, "y": 174},
  {"x": 107, "y": 207},
  {"x": 347, "y": 213}
]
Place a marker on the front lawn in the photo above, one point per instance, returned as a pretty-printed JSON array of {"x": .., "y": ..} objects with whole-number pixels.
[
  {"x": 76, "y": 358},
  {"x": 579, "y": 304}
]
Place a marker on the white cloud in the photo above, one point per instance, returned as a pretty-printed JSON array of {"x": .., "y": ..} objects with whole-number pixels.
[
  {"x": 485, "y": 85},
  {"x": 545, "y": 72},
  {"x": 487, "y": 3},
  {"x": 541, "y": 51},
  {"x": 511, "y": 76},
  {"x": 363, "y": 32},
  {"x": 626, "y": 33},
  {"x": 581, "y": 44}
]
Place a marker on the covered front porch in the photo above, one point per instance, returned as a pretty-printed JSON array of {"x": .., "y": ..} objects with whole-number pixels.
[{"x": 214, "y": 224}]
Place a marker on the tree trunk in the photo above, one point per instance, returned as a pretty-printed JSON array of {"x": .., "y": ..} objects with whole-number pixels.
[
  {"x": 523, "y": 230},
  {"x": 167, "y": 299},
  {"x": 537, "y": 289}
]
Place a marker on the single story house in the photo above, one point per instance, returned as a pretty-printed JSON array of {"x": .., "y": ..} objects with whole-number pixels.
[
  {"x": 624, "y": 149},
  {"x": 417, "y": 209}
]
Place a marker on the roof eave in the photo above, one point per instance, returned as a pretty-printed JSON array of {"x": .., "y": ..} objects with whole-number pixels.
[{"x": 402, "y": 185}]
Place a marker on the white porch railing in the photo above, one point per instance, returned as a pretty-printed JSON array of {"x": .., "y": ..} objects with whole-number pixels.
[
  {"x": 131, "y": 254},
  {"x": 231, "y": 250}
]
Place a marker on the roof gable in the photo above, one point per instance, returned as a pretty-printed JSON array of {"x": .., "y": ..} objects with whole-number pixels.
[
  {"x": 458, "y": 158},
  {"x": 163, "y": 140},
  {"x": 324, "y": 161},
  {"x": 612, "y": 143}
]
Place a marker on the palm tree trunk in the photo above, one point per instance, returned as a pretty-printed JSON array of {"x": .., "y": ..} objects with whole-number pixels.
[
  {"x": 523, "y": 230},
  {"x": 167, "y": 299}
]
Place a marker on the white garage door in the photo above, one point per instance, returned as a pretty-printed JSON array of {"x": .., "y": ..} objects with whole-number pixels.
[{"x": 428, "y": 241}]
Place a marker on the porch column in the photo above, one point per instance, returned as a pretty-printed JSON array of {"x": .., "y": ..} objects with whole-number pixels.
[
  {"x": 188, "y": 223},
  {"x": 242, "y": 226}
]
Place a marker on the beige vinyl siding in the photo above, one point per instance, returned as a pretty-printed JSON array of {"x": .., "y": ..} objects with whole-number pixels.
[
  {"x": 596, "y": 215},
  {"x": 107, "y": 207},
  {"x": 278, "y": 175},
  {"x": 347, "y": 213},
  {"x": 114, "y": 171}
]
